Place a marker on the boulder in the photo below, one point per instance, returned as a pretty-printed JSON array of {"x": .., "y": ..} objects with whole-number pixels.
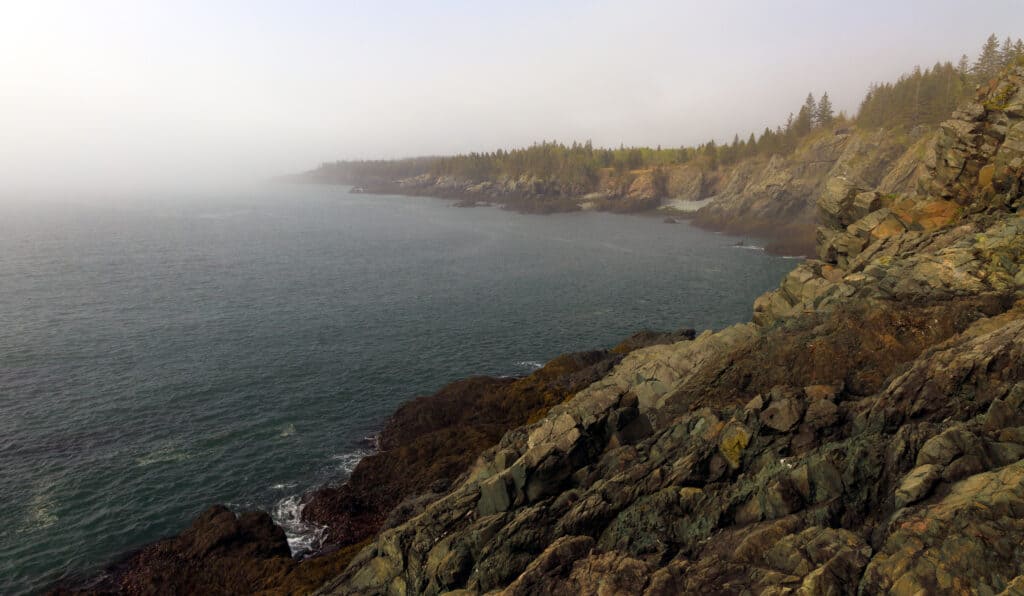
[
  {"x": 917, "y": 484},
  {"x": 782, "y": 415}
]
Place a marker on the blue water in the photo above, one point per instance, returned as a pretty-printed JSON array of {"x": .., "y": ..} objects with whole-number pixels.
[{"x": 158, "y": 356}]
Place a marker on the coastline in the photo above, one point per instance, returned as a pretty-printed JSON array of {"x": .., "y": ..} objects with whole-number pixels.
[
  {"x": 423, "y": 449},
  {"x": 868, "y": 419},
  {"x": 673, "y": 237},
  {"x": 785, "y": 238}
]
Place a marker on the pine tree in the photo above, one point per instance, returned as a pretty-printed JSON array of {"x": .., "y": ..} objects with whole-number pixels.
[
  {"x": 711, "y": 151},
  {"x": 1006, "y": 53},
  {"x": 988, "y": 62},
  {"x": 805, "y": 117},
  {"x": 963, "y": 71},
  {"x": 823, "y": 113},
  {"x": 811, "y": 106},
  {"x": 963, "y": 66}
]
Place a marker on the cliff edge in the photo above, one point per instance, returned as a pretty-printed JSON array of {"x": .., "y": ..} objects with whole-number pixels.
[{"x": 864, "y": 434}]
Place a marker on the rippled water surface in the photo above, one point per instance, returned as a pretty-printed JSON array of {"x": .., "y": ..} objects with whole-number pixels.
[{"x": 158, "y": 356}]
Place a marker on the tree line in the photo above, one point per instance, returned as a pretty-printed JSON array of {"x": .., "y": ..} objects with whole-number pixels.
[
  {"x": 921, "y": 97},
  {"x": 929, "y": 96}
]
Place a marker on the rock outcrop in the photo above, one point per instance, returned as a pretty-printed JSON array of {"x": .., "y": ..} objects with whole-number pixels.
[
  {"x": 864, "y": 435},
  {"x": 770, "y": 197},
  {"x": 777, "y": 197}
]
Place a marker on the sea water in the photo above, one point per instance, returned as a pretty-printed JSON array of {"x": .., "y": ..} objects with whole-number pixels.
[{"x": 163, "y": 354}]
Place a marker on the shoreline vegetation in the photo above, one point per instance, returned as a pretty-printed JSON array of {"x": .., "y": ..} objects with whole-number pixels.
[
  {"x": 764, "y": 184},
  {"x": 872, "y": 405}
]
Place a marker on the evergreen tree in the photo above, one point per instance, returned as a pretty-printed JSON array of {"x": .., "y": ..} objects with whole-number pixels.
[
  {"x": 921, "y": 97},
  {"x": 963, "y": 66},
  {"x": 989, "y": 61},
  {"x": 711, "y": 151},
  {"x": 804, "y": 118},
  {"x": 811, "y": 106},
  {"x": 823, "y": 113},
  {"x": 963, "y": 71},
  {"x": 1006, "y": 53}
]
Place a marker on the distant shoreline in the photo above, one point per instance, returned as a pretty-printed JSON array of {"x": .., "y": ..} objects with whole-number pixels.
[{"x": 788, "y": 239}]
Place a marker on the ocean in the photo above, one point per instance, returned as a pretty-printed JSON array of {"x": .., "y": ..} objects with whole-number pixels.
[{"x": 161, "y": 355}]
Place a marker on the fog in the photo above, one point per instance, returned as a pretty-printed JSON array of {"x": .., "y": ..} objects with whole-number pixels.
[{"x": 139, "y": 95}]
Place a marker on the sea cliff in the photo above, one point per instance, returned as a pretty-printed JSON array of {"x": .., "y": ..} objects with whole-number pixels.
[
  {"x": 864, "y": 433},
  {"x": 769, "y": 197}
]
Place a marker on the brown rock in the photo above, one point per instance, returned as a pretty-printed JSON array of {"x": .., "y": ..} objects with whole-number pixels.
[{"x": 782, "y": 415}]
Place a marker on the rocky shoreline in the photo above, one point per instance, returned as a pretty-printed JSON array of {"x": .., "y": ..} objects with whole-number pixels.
[
  {"x": 773, "y": 199},
  {"x": 424, "y": 446},
  {"x": 863, "y": 434}
]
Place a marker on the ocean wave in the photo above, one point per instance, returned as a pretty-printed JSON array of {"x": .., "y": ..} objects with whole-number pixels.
[
  {"x": 348, "y": 461},
  {"x": 303, "y": 537},
  {"x": 748, "y": 246},
  {"x": 531, "y": 365},
  {"x": 287, "y": 431}
]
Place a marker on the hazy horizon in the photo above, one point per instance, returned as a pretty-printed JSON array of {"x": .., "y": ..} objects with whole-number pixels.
[{"x": 133, "y": 95}]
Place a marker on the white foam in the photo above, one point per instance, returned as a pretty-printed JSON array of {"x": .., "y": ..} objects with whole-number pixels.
[
  {"x": 748, "y": 247},
  {"x": 348, "y": 461},
  {"x": 530, "y": 364},
  {"x": 303, "y": 537}
]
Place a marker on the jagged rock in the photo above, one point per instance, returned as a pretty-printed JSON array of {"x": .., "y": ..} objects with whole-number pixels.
[
  {"x": 864, "y": 435},
  {"x": 643, "y": 188},
  {"x": 783, "y": 414},
  {"x": 219, "y": 553},
  {"x": 907, "y": 349},
  {"x": 821, "y": 413},
  {"x": 837, "y": 200},
  {"x": 733, "y": 440},
  {"x": 686, "y": 183},
  {"x": 917, "y": 484},
  {"x": 969, "y": 541}
]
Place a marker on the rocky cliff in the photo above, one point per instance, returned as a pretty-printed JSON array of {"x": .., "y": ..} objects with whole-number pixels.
[
  {"x": 769, "y": 197},
  {"x": 776, "y": 198},
  {"x": 864, "y": 434}
]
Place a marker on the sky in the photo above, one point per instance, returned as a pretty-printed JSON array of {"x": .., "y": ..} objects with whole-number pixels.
[{"x": 137, "y": 94}]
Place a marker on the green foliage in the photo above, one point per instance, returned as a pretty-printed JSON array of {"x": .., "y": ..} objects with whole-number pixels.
[
  {"x": 921, "y": 97},
  {"x": 823, "y": 113},
  {"x": 989, "y": 60},
  {"x": 930, "y": 96},
  {"x": 999, "y": 99}
]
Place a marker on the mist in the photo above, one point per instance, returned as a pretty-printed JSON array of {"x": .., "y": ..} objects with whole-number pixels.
[{"x": 124, "y": 96}]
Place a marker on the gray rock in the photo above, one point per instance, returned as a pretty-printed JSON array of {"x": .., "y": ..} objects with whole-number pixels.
[{"x": 917, "y": 484}]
